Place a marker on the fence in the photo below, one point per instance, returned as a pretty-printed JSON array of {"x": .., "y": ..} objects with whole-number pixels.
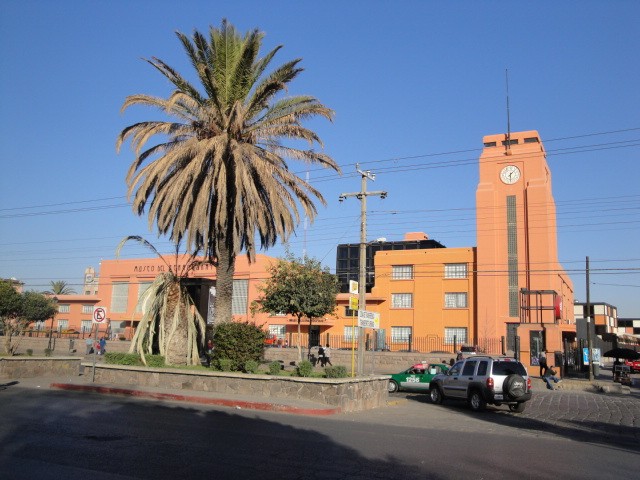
[{"x": 426, "y": 344}]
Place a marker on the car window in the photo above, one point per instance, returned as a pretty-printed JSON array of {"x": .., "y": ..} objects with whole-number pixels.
[
  {"x": 469, "y": 367},
  {"x": 482, "y": 368},
  {"x": 455, "y": 370},
  {"x": 502, "y": 367}
]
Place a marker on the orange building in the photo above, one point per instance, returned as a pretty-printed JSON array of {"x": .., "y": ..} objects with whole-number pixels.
[{"x": 522, "y": 288}]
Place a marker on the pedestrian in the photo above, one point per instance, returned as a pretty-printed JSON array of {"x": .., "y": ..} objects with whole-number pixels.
[
  {"x": 542, "y": 361},
  {"x": 209, "y": 352},
  {"x": 549, "y": 376},
  {"x": 89, "y": 343},
  {"x": 103, "y": 345},
  {"x": 327, "y": 356},
  {"x": 321, "y": 358}
]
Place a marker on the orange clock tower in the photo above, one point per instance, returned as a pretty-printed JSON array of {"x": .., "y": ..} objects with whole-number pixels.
[{"x": 522, "y": 290}]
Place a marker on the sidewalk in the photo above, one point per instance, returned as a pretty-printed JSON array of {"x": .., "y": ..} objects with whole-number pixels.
[{"x": 83, "y": 383}]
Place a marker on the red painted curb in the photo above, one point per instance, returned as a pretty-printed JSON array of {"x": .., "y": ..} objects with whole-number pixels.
[{"x": 274, "y": 407}]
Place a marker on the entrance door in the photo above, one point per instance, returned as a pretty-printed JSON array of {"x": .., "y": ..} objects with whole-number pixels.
[{"x": 314, "y": 336}]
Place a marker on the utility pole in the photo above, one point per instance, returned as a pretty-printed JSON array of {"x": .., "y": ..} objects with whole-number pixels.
[
  {"x": 589, "y": 339},
  {"x": 362, "y": 277}
]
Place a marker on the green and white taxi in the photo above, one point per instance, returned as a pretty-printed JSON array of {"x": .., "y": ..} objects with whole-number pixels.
[{"x": 416, "y": 377}]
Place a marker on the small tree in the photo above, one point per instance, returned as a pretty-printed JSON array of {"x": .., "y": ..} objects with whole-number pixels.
[
  {"x": 301, "y": 287},
  {"x": 18, "y": 310},
  {"x": 237, "y": 343}
]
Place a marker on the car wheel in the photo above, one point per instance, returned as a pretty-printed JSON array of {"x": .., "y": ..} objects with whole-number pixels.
[
  {"x": 393, "y": 386},
  {"x": 476, "y": 402},
  {"x": 514, "y": 387},
  {"x": 435, "y": 395},
  {"x": 517, "y": 407}
]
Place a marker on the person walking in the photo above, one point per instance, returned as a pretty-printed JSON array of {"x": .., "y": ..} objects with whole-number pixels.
[
  {"x": 103, "y": 346},
  {"x": 327, "y": 356}
]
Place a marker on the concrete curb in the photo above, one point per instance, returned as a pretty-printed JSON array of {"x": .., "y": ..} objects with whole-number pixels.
[{"x": 240, "y": 404}]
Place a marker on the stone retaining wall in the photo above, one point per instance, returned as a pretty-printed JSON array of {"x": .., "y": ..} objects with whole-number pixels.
[
  {"x": 350, "y": 395},
  {"x": 27, "y": 367}
]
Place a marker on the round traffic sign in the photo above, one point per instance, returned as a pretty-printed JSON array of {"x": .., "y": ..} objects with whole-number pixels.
[{"x": 99, "y": 314}]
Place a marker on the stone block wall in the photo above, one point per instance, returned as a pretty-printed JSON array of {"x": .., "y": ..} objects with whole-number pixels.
[
  {"x": 350, "y": 395},
  {"x": 28, "y": 367}
]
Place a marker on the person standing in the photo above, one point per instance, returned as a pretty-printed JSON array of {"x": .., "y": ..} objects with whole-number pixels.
[
  {"x": 327, "y": 356},
  {"x": 103, "y": 346},
  {"x": 542, "y": 361}
]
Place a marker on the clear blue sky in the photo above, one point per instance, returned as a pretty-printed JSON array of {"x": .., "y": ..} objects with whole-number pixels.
[{"x": 415, "y": 86}]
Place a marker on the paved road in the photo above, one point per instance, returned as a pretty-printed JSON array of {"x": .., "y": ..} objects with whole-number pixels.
[{"x": 47, "y": 434}]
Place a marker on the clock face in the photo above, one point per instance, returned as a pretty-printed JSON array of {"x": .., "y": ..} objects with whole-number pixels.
[
  {"x": 88, "y": 278},
  {"x": 510, "y": 174}
]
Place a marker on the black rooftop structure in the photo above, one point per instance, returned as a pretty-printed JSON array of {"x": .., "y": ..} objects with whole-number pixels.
[{"x": 348, "y": 259}]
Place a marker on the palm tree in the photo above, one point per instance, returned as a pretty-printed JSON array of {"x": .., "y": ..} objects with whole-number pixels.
[
  {"x": 170, "y": 323},
  {"x": 218, "y": 176},
  {"x": 60, "y": 287}
]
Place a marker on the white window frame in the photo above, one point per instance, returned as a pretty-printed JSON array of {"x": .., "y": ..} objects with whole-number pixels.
[
  {"x": 142, "y": 288},
  {"x": 459, "y": 332},
  {"x": 62, "y": 324},
  {"x": 402, "y": 272},
  {"x": 350, "y": 333},
  {"x": 402, "y": 300},
  {"x": 87, "y": 309},
  {"x": 456, "y": 300},
  {"x": 401, "y": 334},
  {"x": 455, "y": 270},
  {"x": 64, "y": 308},
  {"x": 86, "y": 326},
  {"x": 240, "y": 298},
  {"x": 279, "y": 331}
]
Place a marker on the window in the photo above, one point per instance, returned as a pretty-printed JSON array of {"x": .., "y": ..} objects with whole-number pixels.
[
  {"x": 401, "y": 300},
  {"x": 482, "y": 368},
  {"x": 350, "y": 334},
  {"x": 460, "y": 335},
  {"x": 64, "y": 308},
  {"x": 119, "y": 297},
  {"x": 63, "y": 324},
  {"x": 400, "y": 334},
  {"x": 455, "y": 270},
  {"x": 240, "y": 297},
  {"x": 277, "y": 331},
  {"x": 350, "y": 313},
  {"x": 87, "y": 309},
  {"x": 469, "y": 367},
  {"x": 402, "y": 272},
  {"x": 489, "y": 144},
  {"x": 455, "y": 300},
  {"x": 85, "y": 326},
  {"x": 142, "y": 288}
]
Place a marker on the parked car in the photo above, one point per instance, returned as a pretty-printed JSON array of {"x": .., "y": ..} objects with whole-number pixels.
[
  {"x": 482, "y": 380},
  {"x": 416, "y": 377},
  {"x": 634, "y": 365}
]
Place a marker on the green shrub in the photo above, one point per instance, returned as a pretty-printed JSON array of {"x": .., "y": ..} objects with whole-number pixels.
[
  {"x": 304, "y": 368},
  {"x": 29, "y": 352},
  {"x": 251, "y": 366},
  {"x": 238, "y": 343},
  {"x": 274, "y": 368},
  {"x": 133, "y": 359},
  {"x": 47, "y": 352},
  {"x": 224, "y": 364},
  {"x": 339, "y": 371}
]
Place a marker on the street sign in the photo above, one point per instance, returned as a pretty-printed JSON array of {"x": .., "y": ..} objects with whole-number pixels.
[
  {"x": 353, "y": 287},
  {"x": 99, "y": 315},
  {"x": 353, "y": 302},
  {"x": 368, "y": 319}
]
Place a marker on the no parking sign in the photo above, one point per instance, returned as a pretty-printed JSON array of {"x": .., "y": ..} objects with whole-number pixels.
[{"x": 99, "y": 315}]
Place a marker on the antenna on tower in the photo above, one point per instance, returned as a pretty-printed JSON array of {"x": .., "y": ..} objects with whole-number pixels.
[{"x": 508, "y": 142}]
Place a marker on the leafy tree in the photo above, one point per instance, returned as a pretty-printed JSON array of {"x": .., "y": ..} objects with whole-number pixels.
[
  {"x": 171, "y": 324},
  {"x": 18, "y": 310},
  {"x": 218, "y": 176},
  {"x": 60, "y": 287},
  {"x": 301, "y": 287}
]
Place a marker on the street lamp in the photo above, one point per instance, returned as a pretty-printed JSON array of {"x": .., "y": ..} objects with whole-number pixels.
[{"x": 55, "y": 299}]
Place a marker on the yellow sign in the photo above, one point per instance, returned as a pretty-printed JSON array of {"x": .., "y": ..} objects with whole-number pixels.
[{"x": 353, "y": 302}]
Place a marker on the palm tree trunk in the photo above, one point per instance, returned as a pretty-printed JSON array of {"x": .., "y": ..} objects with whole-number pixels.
[
  {"x": 224, "y": 284},
  {"x": 175, "y": 329}
]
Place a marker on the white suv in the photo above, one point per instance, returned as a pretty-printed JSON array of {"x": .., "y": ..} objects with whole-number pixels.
[{"x": 483, "y": 379}]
